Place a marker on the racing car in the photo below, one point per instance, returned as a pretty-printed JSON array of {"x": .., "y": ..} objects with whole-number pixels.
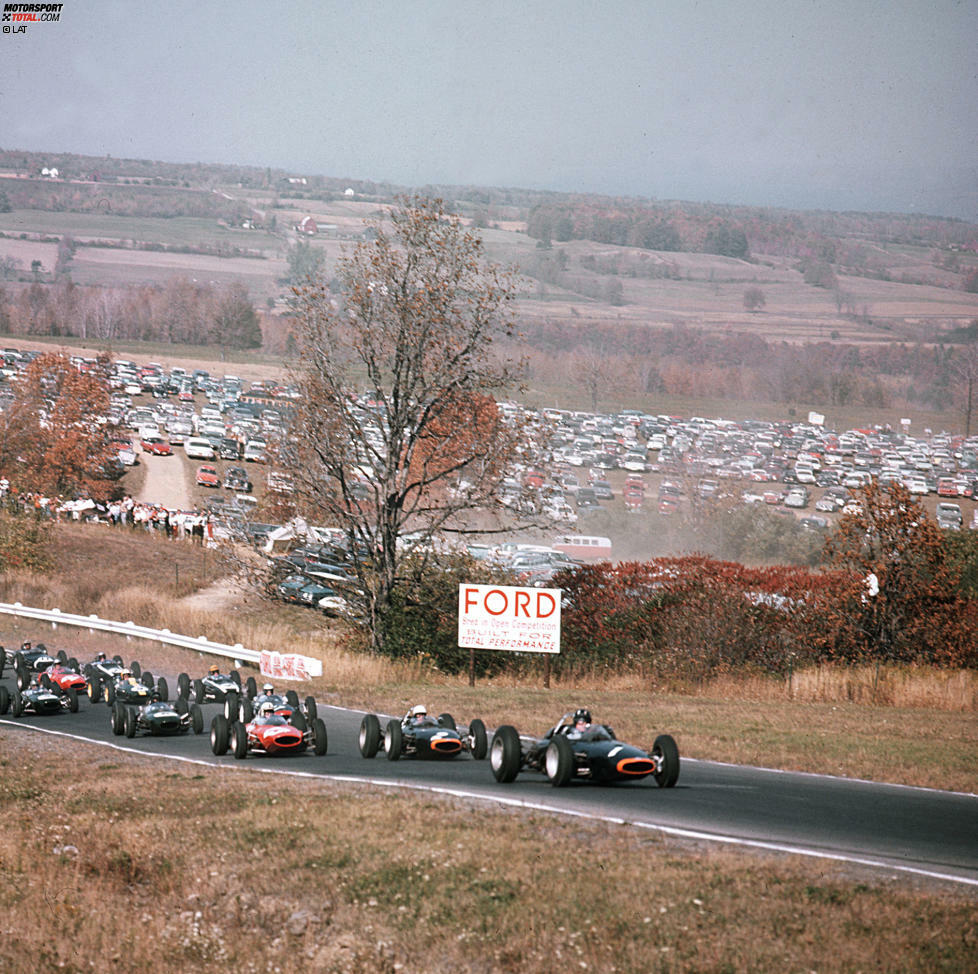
[
  {"x": 268, "y": 733},
  {"x": 35, "y": 699},
  {"x": 576, "y": 748},
  {"x": 105, "y": 669},
  {"x": 158, "y": 718},
  {"x": 60, "y": 676},
  {"x": 285, "y": 705},
  {"x": 128, "y": 690},
  {"x": 215, "y": 687},
  {"x": 27, "y": 661},
  {"x": 418, "y": 735}
]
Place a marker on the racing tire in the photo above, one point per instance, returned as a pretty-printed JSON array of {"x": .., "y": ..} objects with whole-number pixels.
[
  {"x": 3, "y": 659},
  {"x": 118, "y": 716},
  {"x": 62, "y": 657},
  {"x": 293, "y": 699},
  {"x": 239, "y": 741},
  {"x": 94, "y": 689},
  {"x": 17, "y": 704},
  {"x": 236, "y": 678},
  {"x": 393, "y": 740},
  {"x": 45, "y": 682},
  {"x": 312, "y": 709},
  {"x": 181, "y": 706},
  {"x": 219, "y": 734},
  {"x": 231, "y": 706},
  {"x": 72, "y": 663},
  {"x": 246, "y": 713},
  {"x": 147, "y": 679},
  {"x": 505, "y": 754},
  {"x": 198, "y": 692},
  {"x": 137, "y": 670},
  {"x": 108, "y": 693},
  {"x": 4, "y": 700},
  {"x": 251, "y": 688},
  {"x": 196, "y": 719},
  {"x": 72, "y": 694},
  {"x": 23, "y": 675},
  {"x": 163, "y": 689},
  {"x": 447, "y": 720},
  {"x": 298, "y": 721},
  {"x": 666, "y": 750},
  {"x": 480, "y": 740},
  {"x": 559, "y": 761},
  {"x": 319, "y": 739},
  {"x": 369, "y": 736},
  {"x": 183, "y": 686},
  {"x": 129, "y": 722},
  {"x": 117, "y": 658}
]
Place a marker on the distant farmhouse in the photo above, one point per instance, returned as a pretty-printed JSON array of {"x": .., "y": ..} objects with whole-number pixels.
[{"x": 307, "y": 225}]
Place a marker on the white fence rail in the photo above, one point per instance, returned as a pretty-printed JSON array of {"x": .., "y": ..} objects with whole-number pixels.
[{"x": 57, "y": 618}]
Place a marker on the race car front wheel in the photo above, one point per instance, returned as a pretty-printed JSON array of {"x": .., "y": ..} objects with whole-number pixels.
[
  {"x": 505, "y": 754},
  {"x": 480, "y": 741},
  {"x": 369, "y": 739},
  {"x": 393, "y": 740},
  {"x": 559, "y": 761},
  {"x": 666, "y": 755}
]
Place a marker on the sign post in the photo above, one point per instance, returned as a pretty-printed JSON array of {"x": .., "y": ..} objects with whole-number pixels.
[{"x": 510, "y": 618}]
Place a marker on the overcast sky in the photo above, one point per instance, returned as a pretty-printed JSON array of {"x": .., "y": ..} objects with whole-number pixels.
[{"x": 829, "y": 104}]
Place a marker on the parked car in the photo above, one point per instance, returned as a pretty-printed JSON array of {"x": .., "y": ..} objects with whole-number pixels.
[
  {"x": 156, "y": 446},
  {"x": 207, "y": 476},
  {"x": 198, "y": 448},
  {"x": 236, "y": 478}
]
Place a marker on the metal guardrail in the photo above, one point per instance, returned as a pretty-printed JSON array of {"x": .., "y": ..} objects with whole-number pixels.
[{"x": 91, "y": 622}]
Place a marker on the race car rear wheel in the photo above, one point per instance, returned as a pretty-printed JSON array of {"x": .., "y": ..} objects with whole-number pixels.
[
  {"x": 45, "y": 682},
  {"x": 251, "y": 688},
  {"x": 246, "y": 713},
  {"x": 94, "y": 690},
  {"x": 129, "y": 722},
  {"x": 231, "y": 706},
  {"x": 393, "y": 740},
  {"x": 198, "y": 691},
  {"x": 147, "y": 679},
  {"x": 447, "y": 720},
  {"x": 219, "y": 734},
  {"x": 163, "y": 689},
  {"x": 23, "y": 675},
  {"x": 181, "y": 706},
  {"x": 293, "y": 698},
  {"x": 108, "y": 693},
  {"x": 117, "y": 658},
  {"x": 559, "y": 761},
  {"x": 62, "y": 657},
  {"x": 369, "y": 735},
  {"x": 667, "y": 757},
  {"x": 17, "y": 704},
  {"x": 196, "y": 719},
  {"x": 505, "y": 754},
  {"x": 318, "y": 737},
  {"x": 480, "y": 740},
  {"x": 72, "y": 694},
  {"x": 236, "y": 678},
  {"x": 183, "y": 686},
  {"x": 298, "y": 721},
  {"x": 137, "y": 670},
  {"x": 4, "y": 699},
  {"x": 312, "y": 709},
  {"x": 239, "y": 740},
  {"x": 72, "y": 663},
  {"x": 3, "y": 659},
  {"x": 118, "y": 716}
]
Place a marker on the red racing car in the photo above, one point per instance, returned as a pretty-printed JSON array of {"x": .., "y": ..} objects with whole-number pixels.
[
  {"x": 269, "y": 733},
  {"x": 61, "y": 677}
]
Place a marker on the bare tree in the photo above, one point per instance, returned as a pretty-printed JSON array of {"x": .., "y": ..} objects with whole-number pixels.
[
  {"x": 965, "y": 370},
  {"x": 397, "y": 430}
]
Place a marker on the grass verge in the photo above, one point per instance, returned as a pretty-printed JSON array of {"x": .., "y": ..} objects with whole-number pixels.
[{"x": 128, "y": 859}]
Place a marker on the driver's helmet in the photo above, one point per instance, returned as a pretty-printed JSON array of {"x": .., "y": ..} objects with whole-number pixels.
[
  {"x": 266, "y": 710},
  {"x": 26, "y": 644},
  {"x": 214, "y": 668},
  {"x": 582, "y": 716},
  {"x": 419, "y": 711},
  {"x": 99, "y": 657},
  {"x": 267, "y": 688},
  {"x": 125, "y": 674}
]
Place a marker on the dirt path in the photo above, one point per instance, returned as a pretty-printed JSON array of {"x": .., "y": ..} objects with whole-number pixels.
[{"x": 165, "y": 483}]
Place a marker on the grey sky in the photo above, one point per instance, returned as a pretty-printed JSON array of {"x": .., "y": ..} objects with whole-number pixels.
[{"x": 835, "y": 104}]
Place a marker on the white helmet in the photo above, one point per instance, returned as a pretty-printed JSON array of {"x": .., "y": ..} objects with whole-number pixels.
[
  {"x": 268, "y": 688},
  {"x": 419, "y": 711},
  {"x": 266, "y": 710}
]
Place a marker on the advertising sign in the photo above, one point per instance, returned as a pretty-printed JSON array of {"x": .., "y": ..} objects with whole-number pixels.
[{"x": 509, "y": 617}]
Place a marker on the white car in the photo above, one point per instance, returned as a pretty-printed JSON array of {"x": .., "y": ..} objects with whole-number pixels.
[{"x": 197, "y": 448}]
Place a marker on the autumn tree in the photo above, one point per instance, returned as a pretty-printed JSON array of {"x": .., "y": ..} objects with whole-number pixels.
[
  {"x": 910, "y": 607},
  {"x": 236, "y": 323},
  {"x": 754, "y": 299},
  {"x": 397, "y": 432},
  {"x": 52, "y": 437}
]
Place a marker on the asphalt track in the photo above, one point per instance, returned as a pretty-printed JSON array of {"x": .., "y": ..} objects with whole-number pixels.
[{"x": 903, "y": 830}]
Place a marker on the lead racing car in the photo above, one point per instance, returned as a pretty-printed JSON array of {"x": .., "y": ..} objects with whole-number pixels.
[
  {"x": 268, "y": 733},
  {"x": 576, "y": 748},
  {"x": 418, "y": 735}
]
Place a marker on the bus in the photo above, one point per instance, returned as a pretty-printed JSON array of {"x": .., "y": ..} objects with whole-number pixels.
[{"x": 584, "y": 547}]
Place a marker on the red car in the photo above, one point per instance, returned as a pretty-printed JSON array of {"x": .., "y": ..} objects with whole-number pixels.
[
  {"x": 267, "y": 734},
  {"x": 63, "y": 677},
  {"x": 156, "y": 445},
  {"x": 207, "y": 476}
]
